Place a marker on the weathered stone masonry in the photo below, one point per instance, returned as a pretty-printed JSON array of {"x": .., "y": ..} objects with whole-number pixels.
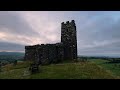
[{"x": 54, "y": 53}]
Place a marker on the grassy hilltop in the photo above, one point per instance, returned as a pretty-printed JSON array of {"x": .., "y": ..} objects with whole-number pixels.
[{"x": 93, "y": 69}]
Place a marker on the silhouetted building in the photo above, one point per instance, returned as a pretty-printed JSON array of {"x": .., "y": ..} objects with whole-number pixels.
[{"x": 54, "y": 53}]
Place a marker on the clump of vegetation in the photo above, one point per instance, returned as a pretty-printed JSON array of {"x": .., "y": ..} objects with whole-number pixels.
[{"x": 83, "y": 59}]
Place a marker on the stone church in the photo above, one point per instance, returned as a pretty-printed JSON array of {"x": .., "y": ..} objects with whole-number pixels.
[{"x": 54, "y": 53}]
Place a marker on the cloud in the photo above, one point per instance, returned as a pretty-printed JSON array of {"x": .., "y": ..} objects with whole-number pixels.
[
  {"x": 28, "y": 28},
  {"x": 41, "y": 23},
  {"x": 14, "y": 24},
  {"x": 97, "y": 31},
  {"x": 101, "y": 35}
]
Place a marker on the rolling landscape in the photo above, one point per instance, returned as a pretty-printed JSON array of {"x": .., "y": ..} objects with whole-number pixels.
[{"x": 92, "y": 68}]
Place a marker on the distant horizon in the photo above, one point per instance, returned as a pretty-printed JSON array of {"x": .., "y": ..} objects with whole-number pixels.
[
  {"x": 14, "y": 51},
  {"x": 78, "y": 55}
]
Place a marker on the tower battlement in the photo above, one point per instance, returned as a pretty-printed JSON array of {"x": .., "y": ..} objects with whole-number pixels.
[{"x": 68, "y": 22}]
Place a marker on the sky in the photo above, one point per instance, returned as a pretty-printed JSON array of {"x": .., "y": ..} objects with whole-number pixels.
[{"x": 98, "y": 32}]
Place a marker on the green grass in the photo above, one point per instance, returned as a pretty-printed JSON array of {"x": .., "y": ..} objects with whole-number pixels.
[
  {"x": 68, "y": 70},
  {"x": 13, "y": 74},
  {"x": 73, "y": 71},
  {"x": 18, "y": 66},
  {"x": 112, "y": 67}
]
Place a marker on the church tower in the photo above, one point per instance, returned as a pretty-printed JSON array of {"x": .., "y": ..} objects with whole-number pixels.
[{"x": 69, "y": 39}]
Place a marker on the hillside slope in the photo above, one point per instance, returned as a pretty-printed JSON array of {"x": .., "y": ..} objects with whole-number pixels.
[
  {"x": 113, "y": 67},
  {"x": 80, "y": 70}
]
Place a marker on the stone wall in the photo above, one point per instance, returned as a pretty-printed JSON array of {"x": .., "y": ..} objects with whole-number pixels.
[
  {"x": 45, "y": 53},
  {"x": 30, "y": 53}
]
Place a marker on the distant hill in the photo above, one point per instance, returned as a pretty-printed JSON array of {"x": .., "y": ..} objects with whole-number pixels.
[
  {"x": 12, "y": 53},
  {"x": 103, "y": 56},
  {"x": 10, "y": 56}
]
